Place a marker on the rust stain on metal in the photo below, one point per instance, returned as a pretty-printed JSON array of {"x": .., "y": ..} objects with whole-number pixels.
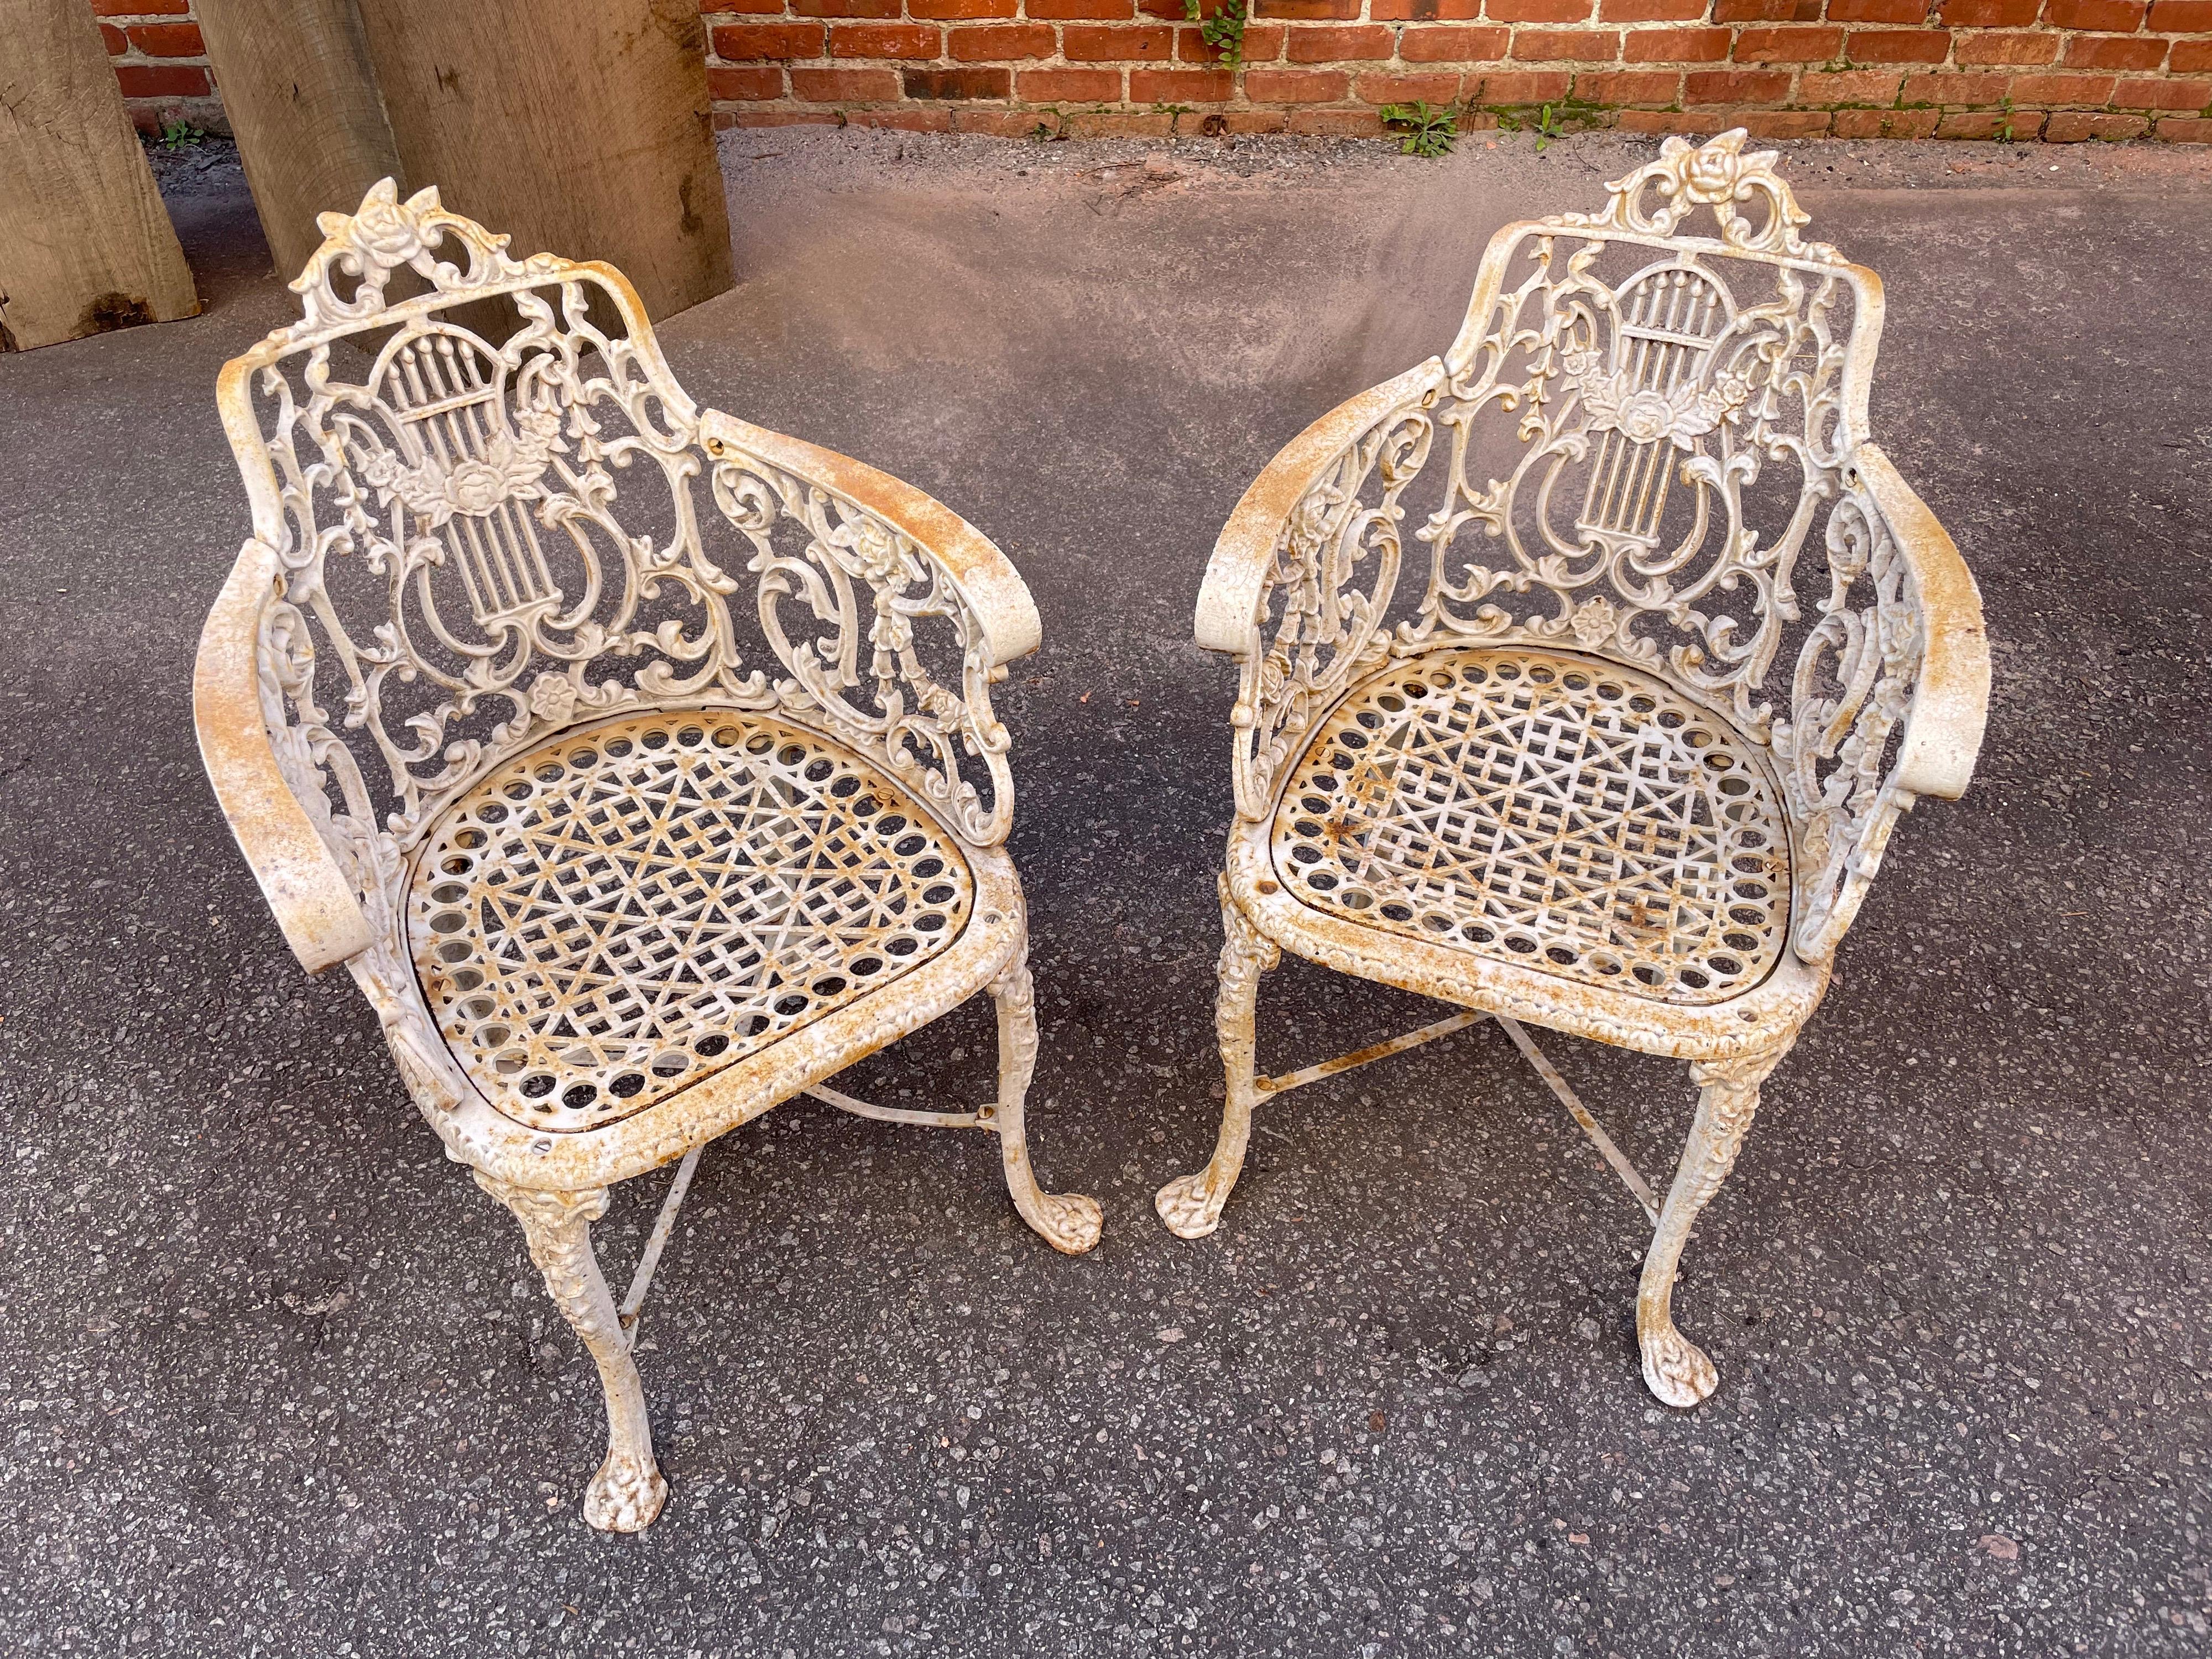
[{"x": 1357, "y": 1057}]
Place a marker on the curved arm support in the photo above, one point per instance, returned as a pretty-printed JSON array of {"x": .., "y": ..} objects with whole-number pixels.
[
  {"x": 984, "y": 576},
  {"x": 1890, "y": 695},
  {"x": 314, "y": 901},
  {"x": 1951, "y": 694},
  {"x": 1314, "y": 546},
  {"x": 1236, "y": 576}
]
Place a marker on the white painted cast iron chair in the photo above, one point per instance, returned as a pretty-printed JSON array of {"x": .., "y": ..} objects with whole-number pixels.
[
  {"x": 1554, "y": 779},
  {"x": 489, "y": 741}
]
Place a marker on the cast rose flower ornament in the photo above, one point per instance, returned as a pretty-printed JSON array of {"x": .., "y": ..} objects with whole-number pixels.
[{"x": 1647, "y": 414}]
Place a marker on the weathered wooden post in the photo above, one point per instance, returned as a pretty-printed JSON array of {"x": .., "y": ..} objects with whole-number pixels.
[
  {"x": 577, "y": 125},
  {"x": 302, "y": 96},
  {"x": 85, "y": 243}
]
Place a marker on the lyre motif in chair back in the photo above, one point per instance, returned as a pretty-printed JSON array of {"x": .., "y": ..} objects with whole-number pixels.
[
  {"x": 1650, "y": 415},
  {"x": 476, "y": 538}
]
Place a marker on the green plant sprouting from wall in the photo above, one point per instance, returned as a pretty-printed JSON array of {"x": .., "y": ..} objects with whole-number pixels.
[
  {"x": 1549, "y": 121},
  {"x": 1224, "y": 30},
  {"x": 1421, "y": 128}
]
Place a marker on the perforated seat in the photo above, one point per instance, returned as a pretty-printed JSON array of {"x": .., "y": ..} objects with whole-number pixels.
[
  {"x": 621, "y": 913},
  {"x": 1558, "y": 811}
]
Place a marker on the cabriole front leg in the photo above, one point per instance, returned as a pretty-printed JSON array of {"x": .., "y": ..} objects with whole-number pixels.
[
  {"x": 1191, "y": 1205},
  {"x": 627, "y": 1492},
  {"x": 1068, "y": 1222},
  {"x": 1675, "y": 1368}
]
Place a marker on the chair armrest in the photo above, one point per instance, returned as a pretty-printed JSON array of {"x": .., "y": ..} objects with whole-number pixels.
[
  {"x": 1230, "y": 599},
  {"x": 985, "y": 578},
  {"x": 1951, "y": 694},
  {"x": 1906, "y": 661},
  {"x": 313, "y": 902}
]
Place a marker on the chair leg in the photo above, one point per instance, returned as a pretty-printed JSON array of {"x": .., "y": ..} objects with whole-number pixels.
[
  {"x": 1675, "y": 1369},
  {"x": 627, "y": 1491},
  {"x": 1191, "y": 1205},
  {"x": 1068, "y": 1222}
]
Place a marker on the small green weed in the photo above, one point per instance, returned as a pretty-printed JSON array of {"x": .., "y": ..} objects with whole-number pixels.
[
  {"x": 1423, "y": 128},
  {"x": 1548, "y": 121},
  {"x": 178, "y": 133},
  {"x": 1224, "y": 30}
]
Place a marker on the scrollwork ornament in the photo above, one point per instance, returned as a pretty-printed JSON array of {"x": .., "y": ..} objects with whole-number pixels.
[
  {"x": 1649, "y": 413},
  {"x": 1334, "y": 571},
  {"x": 1849, "y": 698},
  {"x": 1715, "y": 174},
  {"x": 476, "y": 486},
  {"x": 867, "y": 589},
  {"x": 385, "y": 235}
]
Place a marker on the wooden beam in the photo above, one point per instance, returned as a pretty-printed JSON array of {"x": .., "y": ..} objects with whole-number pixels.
[
  {"x": 581, "y": 127},
  {"x": 302, "y": 97},
  {"x": 85, "y": 244}
]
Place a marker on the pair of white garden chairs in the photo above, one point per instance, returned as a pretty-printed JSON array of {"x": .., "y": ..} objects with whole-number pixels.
[{"x": 478, "y": 701}]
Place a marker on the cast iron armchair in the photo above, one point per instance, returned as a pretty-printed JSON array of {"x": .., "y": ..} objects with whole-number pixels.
[
  {"x": 1556, "y": 779},
  {"x": 491, "y": 740}
]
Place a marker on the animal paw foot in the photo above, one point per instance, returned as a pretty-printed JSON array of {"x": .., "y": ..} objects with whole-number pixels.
[
  {"x": 1188, "y": 1205},
  {"x": 624, "y": 1496},
  {"x": 1676, "y": 1369}
]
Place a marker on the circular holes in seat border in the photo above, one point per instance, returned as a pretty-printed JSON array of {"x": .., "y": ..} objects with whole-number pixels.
[
  {"x": 1440, "y": 701},
  {"x": 501, "y": 1008}
]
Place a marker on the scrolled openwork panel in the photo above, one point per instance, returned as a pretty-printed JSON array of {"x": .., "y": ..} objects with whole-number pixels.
[
  {"x": 451, "y": 535},
  {"x": 1850, "y": 696},
  {"x": 848, "y": 603},
  {"x": 1326, "y": 594},
  {"x": 1637, "y": 447},
  {"x": 487, "y": 531},
  {"x": 1643, "y": 424},
  {"x": 1638, "y": 431}
]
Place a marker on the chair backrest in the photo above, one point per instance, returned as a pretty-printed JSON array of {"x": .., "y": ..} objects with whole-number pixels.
[
  {"x": 475, "y": 523},
  {"x": 1652, "y": 418},
  {"x": 1666, "y": 411}
]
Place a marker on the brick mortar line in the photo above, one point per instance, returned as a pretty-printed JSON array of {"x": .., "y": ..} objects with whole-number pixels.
[
  {"x": 1797, "y": 74},
  {"x": 1776, "y": 93},
  {"x": 1543, "y": 82},
  {"x": 942, "y": 60}
]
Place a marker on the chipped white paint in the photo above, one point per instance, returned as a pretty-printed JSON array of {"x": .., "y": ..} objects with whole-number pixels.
[
  {"x": 1560, "y": 778},
  {"x": 474, "y": 704}
]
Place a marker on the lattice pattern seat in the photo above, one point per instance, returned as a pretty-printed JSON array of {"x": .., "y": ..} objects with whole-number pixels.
[
  {"x": 1555, "y": 811},
  {"x": 621, "y": 913}
]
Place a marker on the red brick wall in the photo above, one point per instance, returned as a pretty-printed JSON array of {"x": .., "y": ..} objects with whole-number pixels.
[
  {"x": 2063, "y": 69},
  {"x": 2059, "y": 69},
  {"x": 161, "y": 62}
]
